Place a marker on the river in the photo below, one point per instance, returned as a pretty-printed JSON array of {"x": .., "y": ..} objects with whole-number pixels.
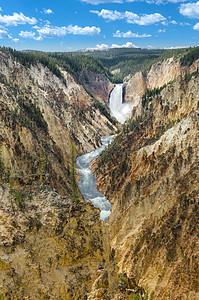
[{"x": 87, "y": 181}]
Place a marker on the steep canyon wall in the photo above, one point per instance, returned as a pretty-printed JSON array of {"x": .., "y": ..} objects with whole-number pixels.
[
  {"x": 51, "y": 241},
  {"x": 150, "y": 174},
  {"x": 159, "y": 74}
]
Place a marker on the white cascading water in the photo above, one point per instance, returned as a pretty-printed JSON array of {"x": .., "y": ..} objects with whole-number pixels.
[
  {"x": 121, "y": 111},
  {"x": 87, "y": 181}
]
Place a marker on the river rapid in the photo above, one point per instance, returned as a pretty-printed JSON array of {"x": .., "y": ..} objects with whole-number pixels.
[{"x": 87, "y": 181}]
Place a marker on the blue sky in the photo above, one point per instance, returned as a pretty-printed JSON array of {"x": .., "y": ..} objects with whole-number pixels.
[{"x": 69, "y": 25}]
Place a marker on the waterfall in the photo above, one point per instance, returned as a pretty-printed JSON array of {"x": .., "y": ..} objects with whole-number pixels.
[
  {"x": 87, "y": 181},
  {"x": 121, "y": 111}
]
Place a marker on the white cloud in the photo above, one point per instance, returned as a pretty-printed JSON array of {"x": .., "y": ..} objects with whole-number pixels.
[
  {"x": 127, "y": 45},
  {"x": 49, "y": 32},
  {"x": 184, "y": 24},
  {"x": 196, "y": 26},
  {"x": 111, "y": 15},
  {"x": 104, "y": 46},
  {"x": 4, "y": 34},
  {"x": 30, "y": 35},
  {"x": 146, "y": 19},
  {"x": 162, "y": 30},
  {"x": 98, "y": 47},
  {"x": 130, "y": 17},
  {"x": 15, "y": 40},
  {"x": 173, "y": 22},
  {"x": 130, "y": 34},
  {"x": 27, "y": 34},
  {"x": 176, "y": 1},
  {"x": 165, "y": 23},
  {"x": 158, "y": 2},
  {"x": 190, "y": 10},
  {"x": 47, "y": 22},
  {"x": 48, "y": 11},
  {"x": 166, "y": 1},
  {"x": 16, "y": 19},
  {"x": 1, "y": 9},
  {"x": 83, "y": 30},
  {"x": 176, "y": 47},
  {"x": 38, "y": 38},
  {"x": 54, "y": 31}
]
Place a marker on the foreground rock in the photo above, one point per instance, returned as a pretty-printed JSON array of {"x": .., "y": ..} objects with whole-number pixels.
[{"x": 49, "y": 245}]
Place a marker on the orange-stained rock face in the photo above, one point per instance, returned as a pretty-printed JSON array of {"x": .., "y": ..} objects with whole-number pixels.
[
  {"x": 99, "y": 86},
  {"x": 135, "y": 88},
  {"x": 160, "y": 74},
  {"x": 50, "y": 245},
  {"x": 164, "y": 72},
  {"x": 66, "y": 109},
  {"x": 150, "y": 175}
]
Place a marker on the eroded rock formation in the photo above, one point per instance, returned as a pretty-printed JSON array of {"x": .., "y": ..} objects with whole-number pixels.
[
  {"x": 160, "y": 74},
  {"x": 150, "y": 175},
  {"x": 52, "y": 244},
  {"x": 40, "y": 119},
  {"x": 96, "y": 84},
  {"x": 50, "y": 241}
]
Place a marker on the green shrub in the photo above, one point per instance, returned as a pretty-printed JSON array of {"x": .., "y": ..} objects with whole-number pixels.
[
  {"x": 104, "y": 111},
  {"x": 19, "y": 198},
  {"x": 34, "y": 57},
  {"x": 131, "y": 124},
  {"x": 136, "y": 297},
  {"x": 29, "y": 115},
  {"x": 190, "y": 56},
  {"x": 150, "y": 94}
]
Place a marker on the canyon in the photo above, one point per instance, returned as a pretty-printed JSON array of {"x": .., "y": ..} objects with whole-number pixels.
[
  {"x": 159, "y": 74},
  {"x": 53, "y": 244},
  {"x": 150, "y": 176},
  {"x": 51, "y": 240}
]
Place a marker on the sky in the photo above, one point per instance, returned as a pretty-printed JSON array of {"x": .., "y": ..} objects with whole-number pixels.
[{"x": 71, "y": 25}]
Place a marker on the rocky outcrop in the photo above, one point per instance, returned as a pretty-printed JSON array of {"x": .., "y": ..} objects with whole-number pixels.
[
  {"x": 114, "y": 286},
  {"x": 59, "y": 102},
  {"x": 52, "y": 244},
  {"x": 164, "y": 72},
  {"x": 150, "y": 175},
  {"x": 40, "y": 119},
  {"x": 159, "y": 75},
  {"x": 96, "y": 84},
  {"x": 50, "y": 240},
  {"x": 49, "y": 246},
  {"x": 135, "y": 88},
  {"x": 100, "y": 286}
]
